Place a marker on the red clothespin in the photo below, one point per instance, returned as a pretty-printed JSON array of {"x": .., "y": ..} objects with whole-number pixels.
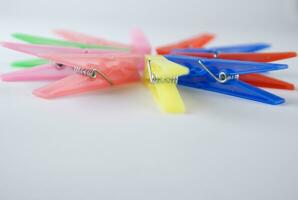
[{"x": 193, "y": 42}]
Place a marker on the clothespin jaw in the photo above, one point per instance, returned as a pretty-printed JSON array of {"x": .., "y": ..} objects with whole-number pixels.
[
  {"x": 193, "y": 42},
  {"x": 161, "y": 77},
  {"x": 223, "y": 76}
]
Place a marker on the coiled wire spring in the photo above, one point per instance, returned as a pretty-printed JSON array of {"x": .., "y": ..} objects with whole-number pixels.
[
  {"x": 154, "y": 80},
  {"x": 90, "y": 72}
]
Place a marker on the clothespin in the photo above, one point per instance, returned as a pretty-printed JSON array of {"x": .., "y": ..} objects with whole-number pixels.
[
  {"x": 258, "y": 80},
  {"x": 140, "y": 45},
  {"x": 223, "y": 76},
  {"x": 139, "y": 42},
  {"x": 92, "y": 72},
  {"x": 193, "y": 42},
  {"x": 36, "y": 50},
  {"x": 255, "y": 57},
  {"x": 55, "y": 42},
  {"x": 54, "y": 70},
  {"x": 161, "y": 76},
  {"x": 220, "y": 49},
  {"x": 74, "y": 36},
  {"x": 47, "y": 71}
]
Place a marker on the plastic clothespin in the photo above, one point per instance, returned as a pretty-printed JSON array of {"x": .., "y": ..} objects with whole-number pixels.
[
  {"x": 139, "y": 42},
  {"x": 255, "y": 57},
  {"x": 261, "y": 80},
  {"x": 92, "y": 72},
  {"x": 49, "y": 41},
  {"x": 36, "y": 50},
  {"x": 52, "y": 71},
  {"x": 193, "y": 42},
  {"x": 161, "y": 76},
  {"x": 74, "y": 36},
  {"x": 254, "y": 79},
  {"x": 48, "y": 71},
  {"x": 140, "y": 45},
  {"x": 226, "y": 49},
  {"x": 223, "y": 76}
]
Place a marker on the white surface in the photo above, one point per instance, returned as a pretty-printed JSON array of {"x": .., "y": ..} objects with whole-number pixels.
[
  {"x": 116, "y": 144},
  {"x": 155, "y": 12}
]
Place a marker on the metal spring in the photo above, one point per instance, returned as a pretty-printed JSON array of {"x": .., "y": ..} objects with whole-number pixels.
[
  {"x": 154, "y": 80},
  {"x": 222, "y": 76},
  {"x": 164, "y": 80},
  {"x": 90, "y": 72}
]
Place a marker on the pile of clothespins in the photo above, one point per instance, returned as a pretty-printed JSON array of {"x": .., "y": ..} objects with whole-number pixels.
[{"x": 82, "y": 63}]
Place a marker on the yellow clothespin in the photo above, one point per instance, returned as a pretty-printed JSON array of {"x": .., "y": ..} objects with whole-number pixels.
[{"x": 161, "y": 77}]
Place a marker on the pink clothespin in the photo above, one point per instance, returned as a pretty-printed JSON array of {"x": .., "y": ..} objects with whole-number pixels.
[
  {"x": 87, "y": 39},
  {"x": 47, "y": 71},
  {"x": 139, "y": 42},
  {"x": 93, "y": 72},
  {"x": 35, "y": 50}
]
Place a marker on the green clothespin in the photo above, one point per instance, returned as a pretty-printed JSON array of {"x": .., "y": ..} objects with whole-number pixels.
[{"x": 48, "y": 41}]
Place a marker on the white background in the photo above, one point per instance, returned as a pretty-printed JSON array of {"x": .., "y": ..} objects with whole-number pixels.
[{"x": 116, "y": 144}]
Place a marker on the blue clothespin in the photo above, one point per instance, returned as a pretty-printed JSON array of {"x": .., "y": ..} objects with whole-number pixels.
[
  {"x": 226, "y": 49},
  {"x": 223, "y": 76}
]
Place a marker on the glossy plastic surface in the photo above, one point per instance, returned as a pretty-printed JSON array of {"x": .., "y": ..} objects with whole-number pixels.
[
  {"x": 254, "y": 79},
  {"x": 199, "y": 78},
  {"x": 234, "y": 88},
  {"x": 119, "y": 69},
  {"x": 165, "y": 94},
  {"x": 231, "y": 67},
  {"x": 193, "y": 42}
]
